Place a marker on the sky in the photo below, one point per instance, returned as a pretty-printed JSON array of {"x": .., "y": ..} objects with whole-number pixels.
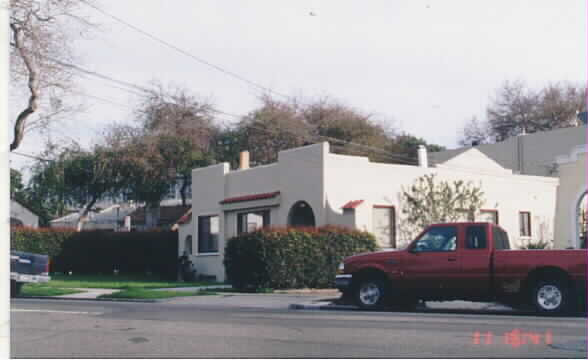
[{"x": 422, "y": 66}]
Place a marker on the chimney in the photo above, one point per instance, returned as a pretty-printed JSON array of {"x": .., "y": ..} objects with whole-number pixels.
[
  {"x": 423, "y": 161},
  {"x": 244, "y": 160}
]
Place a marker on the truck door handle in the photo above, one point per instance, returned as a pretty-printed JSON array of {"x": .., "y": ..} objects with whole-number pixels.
[{"x": 451, "y": 259}]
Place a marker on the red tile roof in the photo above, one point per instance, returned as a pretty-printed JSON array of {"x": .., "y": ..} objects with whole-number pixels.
[
  {"x": 250, "y": 197},
  {"x": 186, "y": 217},
  {"x": 352, "y": 204}
]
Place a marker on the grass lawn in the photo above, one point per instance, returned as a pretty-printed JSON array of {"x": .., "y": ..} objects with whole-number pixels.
[
  {"x": 44, "y": 290},
  {"x": 118, "y": 282},
  {"x": 138, "y": 293}
]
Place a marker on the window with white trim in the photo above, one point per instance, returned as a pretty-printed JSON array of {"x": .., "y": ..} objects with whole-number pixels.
[
  {"x": 253, "y": 220},
  {"x": 384, "y": 225},
  {"x": 525, "y": 223},
  {"x": 208, "y": 229}
]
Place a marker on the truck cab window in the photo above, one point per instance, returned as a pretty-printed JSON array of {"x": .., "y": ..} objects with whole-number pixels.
[
  {"x": 500, "y": 239},
  {"x": 476, "y": 237},
  {"x": 443, "y": 238}
]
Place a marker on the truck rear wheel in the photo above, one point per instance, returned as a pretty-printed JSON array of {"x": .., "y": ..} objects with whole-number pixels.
[
  {"x": 370, "y": 293},
  {"x": 550, "y": 296}
]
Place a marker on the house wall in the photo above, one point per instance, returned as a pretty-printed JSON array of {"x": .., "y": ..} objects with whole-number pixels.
[
  {"x": 381, "y": 184},
  {"x": 19, "y": 212},
  {"x": 532, "y": 154},
  {"x": 572, "y": 175}
]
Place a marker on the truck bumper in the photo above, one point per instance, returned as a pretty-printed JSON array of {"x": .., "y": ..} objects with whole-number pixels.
[
  {"x": 27, "y": 278},
  {"x": 343, "y": 282}
]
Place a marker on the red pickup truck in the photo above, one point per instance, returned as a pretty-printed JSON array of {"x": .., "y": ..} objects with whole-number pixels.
[{"x": 465, "y": 261}]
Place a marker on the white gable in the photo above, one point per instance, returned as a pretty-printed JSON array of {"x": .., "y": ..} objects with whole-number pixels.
[{"x": 474, "y": 160}]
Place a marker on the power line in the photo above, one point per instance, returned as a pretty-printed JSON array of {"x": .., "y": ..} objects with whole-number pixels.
[
  {"x": 186, "y": 53},
  {"x": 389, "y": 155},
  {"x": 30, "y": 156}
]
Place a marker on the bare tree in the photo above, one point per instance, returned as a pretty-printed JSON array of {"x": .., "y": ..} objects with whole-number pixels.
[
  {"x": 560, "y": 102},
  {"x": 475, "y": 132},
  {"x": 273, "y": 127},
  {"x": 518, "y": 109},
  {"x": 41, "y": 38},
  {"x": 179, "y": 129}
]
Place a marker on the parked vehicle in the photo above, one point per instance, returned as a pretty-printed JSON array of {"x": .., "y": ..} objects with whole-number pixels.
[
  {"x": 27, "y": 268},
  {"x": 466, "y": 261}
]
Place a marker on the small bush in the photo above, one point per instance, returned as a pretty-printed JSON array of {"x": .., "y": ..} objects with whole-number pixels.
[{"x": 282, "y": 258}]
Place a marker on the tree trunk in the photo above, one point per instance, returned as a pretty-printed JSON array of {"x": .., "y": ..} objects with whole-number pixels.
[
  {"x": 84, "y": 214},
  {"x": 183, "y": 190},
  {"x": 19, "y": 126}
]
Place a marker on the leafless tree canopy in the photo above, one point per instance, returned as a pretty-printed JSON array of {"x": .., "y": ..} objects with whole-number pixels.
[
  {"x": 518, "y": 109},
  {"x": 41, "y": 35}
]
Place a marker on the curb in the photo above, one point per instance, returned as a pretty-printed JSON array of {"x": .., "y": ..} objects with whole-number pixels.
[
  {"x": 321, "y": 307},
  {"x": 92, "y": 299}
]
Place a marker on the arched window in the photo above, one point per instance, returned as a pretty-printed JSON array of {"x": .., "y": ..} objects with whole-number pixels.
[
  {"x": 301, "y": 214},
  {"x": 188, "y": 245},
  {"x": 581, "y": 223}
]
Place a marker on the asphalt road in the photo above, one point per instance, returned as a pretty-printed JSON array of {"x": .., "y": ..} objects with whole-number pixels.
[{"x": 262, "y": 326}]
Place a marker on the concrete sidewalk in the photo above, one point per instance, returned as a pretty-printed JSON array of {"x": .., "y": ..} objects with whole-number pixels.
[{"x": 89, "y": 294}]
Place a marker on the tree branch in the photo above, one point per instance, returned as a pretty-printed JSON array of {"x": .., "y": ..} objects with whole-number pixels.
[{"x": 19, "y": 126}]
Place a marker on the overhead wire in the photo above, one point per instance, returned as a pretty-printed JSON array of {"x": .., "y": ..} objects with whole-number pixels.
[
  {"x": 186, "y": 53},
  {"x": 129, "y": 86}
]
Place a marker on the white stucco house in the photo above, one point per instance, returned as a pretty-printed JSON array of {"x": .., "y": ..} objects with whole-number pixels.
[
  {"x": 311, "y": 186},
  {"x": 21, "y": 216}
]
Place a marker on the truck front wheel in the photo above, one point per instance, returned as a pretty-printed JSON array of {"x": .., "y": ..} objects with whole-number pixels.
[
  {"x": 550, "y": 296},
  {"x": 370, "y": 293}
]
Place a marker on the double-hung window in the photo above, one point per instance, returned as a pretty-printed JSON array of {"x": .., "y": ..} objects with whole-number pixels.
[
  {"x": 208, "y": 229},
  {"x": 253, "y": 220},
  {"x": 525, "y": 223}
]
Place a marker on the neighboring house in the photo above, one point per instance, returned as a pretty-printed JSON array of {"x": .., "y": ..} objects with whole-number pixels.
[
  {"x": 109, "y": 219},
  {"x": 559, "y": 153},
  {"x": 21, "y": 216},
  {"x": 309, "y": 186},
  {"x": 163, "y": 217},
  {"x": 171, "y": 197},
  {"x": 530, "y": 154}
]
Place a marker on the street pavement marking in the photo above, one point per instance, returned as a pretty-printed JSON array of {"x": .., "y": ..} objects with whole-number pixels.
[{"x": 57, "y": 311}]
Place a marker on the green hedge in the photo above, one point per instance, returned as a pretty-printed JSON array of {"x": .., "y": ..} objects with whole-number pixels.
[
  {"x": 282, "y": 258},
  {"x": 48, "y": 241},
  {"x": 101, "y": 252}
]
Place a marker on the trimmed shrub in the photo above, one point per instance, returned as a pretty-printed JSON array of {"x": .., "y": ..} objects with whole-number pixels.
[
  {"x": 102, "y": 252},
  {"x": 48, "y": 241},
  {"x": 282, "y": 258}
]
